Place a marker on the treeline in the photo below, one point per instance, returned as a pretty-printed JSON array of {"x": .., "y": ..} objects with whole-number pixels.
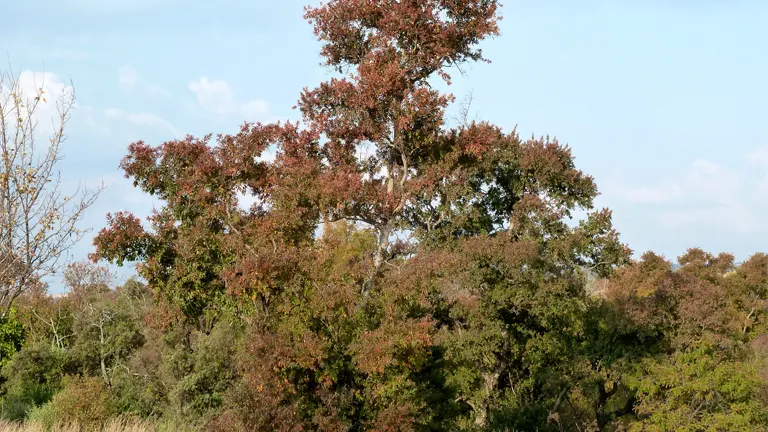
[
  {"x": 648, "y": 348},
  {"x": 393, "y": 272}
]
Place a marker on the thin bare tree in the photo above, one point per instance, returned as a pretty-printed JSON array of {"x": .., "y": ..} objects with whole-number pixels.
[{"x": 38, "y": 222}]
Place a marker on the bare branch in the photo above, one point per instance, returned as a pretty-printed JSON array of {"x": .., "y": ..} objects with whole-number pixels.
[{"x": 38, "y": 223}]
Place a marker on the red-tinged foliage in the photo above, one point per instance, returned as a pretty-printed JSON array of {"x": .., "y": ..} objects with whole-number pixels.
[
  {"x": 704, "y": 301},
  {"x": 396, "y": 417},
  {"x": 388, "y": 272},
  {"x": 424, "y": 35},
  {"x": 123, "y": 240},
  {"x": 397, "y": 344},
  {"x": 698, "y": 361},
  {"x": 261, "y": 402},
  {"x": 448, "y": 279}
]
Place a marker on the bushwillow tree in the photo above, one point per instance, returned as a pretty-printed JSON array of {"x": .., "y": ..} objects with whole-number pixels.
[{"x": 447, "y": 289}]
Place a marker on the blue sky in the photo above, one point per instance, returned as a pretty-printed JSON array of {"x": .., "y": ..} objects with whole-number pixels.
[{"x": 662, "y": 102}]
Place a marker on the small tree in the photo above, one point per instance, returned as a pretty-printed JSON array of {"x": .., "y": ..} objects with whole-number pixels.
[{"x": 38, "y": 223}]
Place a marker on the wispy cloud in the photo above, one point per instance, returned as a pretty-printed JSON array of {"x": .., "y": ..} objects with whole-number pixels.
[
  {"x": 129, "y": 79},
  {"x": 706, "y": 195},
  {"x": 142, "y": 119},
  {"x": 157, "y": 91},
  {"x": 217, "y": 96},
  {"x": 652, "y": 195},
  {"x": 758, "y": 156},
  {"x": 91, "y": 123},
  {"x": 117, "y": 6}
]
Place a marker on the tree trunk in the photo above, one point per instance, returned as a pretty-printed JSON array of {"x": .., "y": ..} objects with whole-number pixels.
[{"x": 102, "y": 356}]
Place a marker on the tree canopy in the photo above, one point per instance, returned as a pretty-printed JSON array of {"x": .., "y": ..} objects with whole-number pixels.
[{"x": 394, "y": 272}]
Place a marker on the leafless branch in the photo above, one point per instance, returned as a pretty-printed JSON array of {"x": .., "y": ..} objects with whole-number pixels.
[{"x": 38, "y": 223}]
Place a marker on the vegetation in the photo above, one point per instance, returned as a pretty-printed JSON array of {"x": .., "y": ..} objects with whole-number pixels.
[
  {"x": 395, "y": 273},
  {"x": 38, "y": 223}
]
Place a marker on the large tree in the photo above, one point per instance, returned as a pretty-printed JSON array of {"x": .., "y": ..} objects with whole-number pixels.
[{"x": 447, "y": 290}]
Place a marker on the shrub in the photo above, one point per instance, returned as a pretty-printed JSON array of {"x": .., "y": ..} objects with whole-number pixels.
[
  {"x": 32, "y": 377},
  {"x": 11, "y": 337},
  {"x": 43, "y": 416},
  {"x": 84, "y": 400}
]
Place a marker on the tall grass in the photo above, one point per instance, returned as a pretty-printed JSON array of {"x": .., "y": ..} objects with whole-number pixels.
[{"x": 115, "y": 425}]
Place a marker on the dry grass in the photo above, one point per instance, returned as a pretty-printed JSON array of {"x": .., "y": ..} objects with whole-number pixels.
[{"x": 116, "y": 425}]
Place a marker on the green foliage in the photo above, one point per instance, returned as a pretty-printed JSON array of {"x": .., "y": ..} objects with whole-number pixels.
[
  {"x": 83, "y": 400},
  {"x": 450, "y": 288},
  {"x": 694, "y": 390},
  {"x": 32, "y": 377},
  {"x": 44, "y": 415},
  {"x": 12, "y": 336},
  {"x": 106, "y": 334},
  {"x": 209, "y": 371}
]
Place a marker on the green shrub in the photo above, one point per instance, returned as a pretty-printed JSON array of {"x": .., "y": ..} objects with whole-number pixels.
[
  {"x": 15, "y": 408},
  {"x": 44, "y": 415},
  {"x": 32, "y": 376},
  {"x": 11, "y": 337},
  {"x": 83, "y": 400}
]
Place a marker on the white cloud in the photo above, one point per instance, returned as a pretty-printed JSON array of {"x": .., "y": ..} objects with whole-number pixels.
[
  {"x": 214, "y": 95},
  {"x": 155, "y": 91},
  {"x": 128, "y": 78},
  {"x": 93, "y": 125},
  {"x": 255, "y": 109},
  {"x": 710, "y": 181},
  {"x": 30, "y": 82},
  {"x": 143, "y": 119},
  {"x": 762, "y": 186},
  {"x": 759, "y": 156},
  {"x": 706, "y": 195},
  {"x": 217, "y": 96},
  {"x": 123, "y": 190},
  {"x": 735, "y": 217},
  {"x": 29, "y": 85},
  {"x": 652, "y": 195},
  {"x": 117, "y": 6},
  {"x": 703, "y": 180}
]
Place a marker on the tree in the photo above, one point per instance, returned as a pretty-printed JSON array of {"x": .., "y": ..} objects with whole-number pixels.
[
  {"x": 450, "y": 293},
  {"x": 38, "y": 223},
  {"x": 684, "y": 340},
  {"x": 106, "y": 327},
  {"x": 46, "y": 319},
  {"x": 11, "y": 337}
]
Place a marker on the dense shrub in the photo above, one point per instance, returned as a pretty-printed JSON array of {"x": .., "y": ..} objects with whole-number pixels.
[
  {"x": 32, "y": 377},
  {"x": 84, "y": 400},
  {"x": 11, "y": 337}
]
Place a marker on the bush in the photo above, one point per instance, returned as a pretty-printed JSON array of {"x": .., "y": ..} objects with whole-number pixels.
[
  {"x": 15, "y": 408},
  {"x": 43, "y": 416},
  {"x": 32, "y": 377},
  {"x": 83, "y": 400},
  {"x": 11, "y": 337}
]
